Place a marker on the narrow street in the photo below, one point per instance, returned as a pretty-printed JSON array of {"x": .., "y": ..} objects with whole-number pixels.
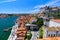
[{"x": 34, "y": 35}]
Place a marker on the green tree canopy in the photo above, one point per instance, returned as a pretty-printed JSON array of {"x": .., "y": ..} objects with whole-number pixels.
[{"x": 39, "y": 22}]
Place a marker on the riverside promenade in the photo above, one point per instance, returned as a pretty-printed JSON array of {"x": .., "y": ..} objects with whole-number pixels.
[{"x": 13, "y": 35}]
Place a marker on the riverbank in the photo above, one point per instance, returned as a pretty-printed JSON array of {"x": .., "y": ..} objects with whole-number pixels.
[
  {"x": 13, "y": 32},
  {"x": 3, "y": 16}
]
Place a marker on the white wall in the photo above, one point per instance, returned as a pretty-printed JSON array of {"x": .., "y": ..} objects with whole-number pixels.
[
  {"x": 46, "y": 23},
  {"x": 44, "y": 32},
  {"x": 51, "y": 34},
  {"x": 53, "y": 24},
  {"x": 58, "y": 34},
  {"x": 34, "y": 20}
]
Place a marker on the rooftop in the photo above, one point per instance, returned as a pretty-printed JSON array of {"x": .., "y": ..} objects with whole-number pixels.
[
  {"x": 50, "y": 38},
  {"x": 20, "y": 38},
  {"x": 53, "y": 28},
  {"x": 30, "y": 25},
  {"x": 56, "y": 20},
  {"x": 21, "y": 31}
]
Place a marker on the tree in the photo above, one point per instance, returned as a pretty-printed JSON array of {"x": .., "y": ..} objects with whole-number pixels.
[
  {"x": 41, "y": 33},
  {"x": 39, "y": 22}
]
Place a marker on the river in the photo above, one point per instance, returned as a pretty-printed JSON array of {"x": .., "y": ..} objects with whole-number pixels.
[{"x": 6, "y": 23}]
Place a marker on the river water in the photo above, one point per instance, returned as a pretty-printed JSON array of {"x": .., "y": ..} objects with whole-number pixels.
[{"x": 6, "y": 23}]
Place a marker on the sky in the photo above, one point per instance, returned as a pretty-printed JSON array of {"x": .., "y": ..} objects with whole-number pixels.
[{"x": 25, "y": 6}]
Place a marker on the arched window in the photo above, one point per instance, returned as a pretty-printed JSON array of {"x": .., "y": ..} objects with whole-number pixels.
[
  {"x": 49, "y": 35},
  {"x": 54, "y": 35}
]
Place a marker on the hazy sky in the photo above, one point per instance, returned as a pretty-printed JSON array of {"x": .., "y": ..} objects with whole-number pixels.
[{"x": 27, "y": 6}]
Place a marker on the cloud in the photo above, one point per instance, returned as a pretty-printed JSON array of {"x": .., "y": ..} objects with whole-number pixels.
[
  {"x": 33, "y": 11},
  {"x": 37, "y": 8},
  {"x": 47, "y": 4},
  {"x": 7, "y": 1}
]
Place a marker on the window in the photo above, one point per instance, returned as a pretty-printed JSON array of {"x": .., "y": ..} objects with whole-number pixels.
[
  {"x": 58, "y": 34},
  {"x": 54, "y": 35},
  {"x": 49, "y": 35}
]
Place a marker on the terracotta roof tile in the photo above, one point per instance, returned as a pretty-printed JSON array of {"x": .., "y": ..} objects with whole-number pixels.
[
  {"x": 56, "y": 20},
  {"x": 50, "y": 38},
  {"x": 53, "y": 28}
]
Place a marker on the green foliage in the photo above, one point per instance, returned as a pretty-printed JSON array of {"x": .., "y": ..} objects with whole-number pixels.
[
  {"x": 41, "y": 33},
  {"x": 39, "y": 22},
  {"x": 55, "y": 14},
  {"x": 10, "y": 14},
  {"x": 29, "y": 36}
]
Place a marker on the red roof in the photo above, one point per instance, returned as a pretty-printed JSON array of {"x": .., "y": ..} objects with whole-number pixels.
[
  {"x": 56, "y": 20},
  {"x": 50, "y": 38}
]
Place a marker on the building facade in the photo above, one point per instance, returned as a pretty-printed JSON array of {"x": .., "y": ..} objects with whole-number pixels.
[
  {"x": 51, "y": 32},
  {"x": 54, "y": 23}
]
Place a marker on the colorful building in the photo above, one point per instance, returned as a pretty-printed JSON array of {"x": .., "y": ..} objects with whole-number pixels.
[{"x": 21, "y": 31}]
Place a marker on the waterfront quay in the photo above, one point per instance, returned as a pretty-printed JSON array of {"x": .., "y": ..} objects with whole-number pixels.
[{"x": 13, "y": 31}]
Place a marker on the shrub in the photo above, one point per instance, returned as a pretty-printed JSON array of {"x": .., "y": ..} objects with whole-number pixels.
[
  {"x": 41, "y": 33},
  {"x": 29, "y": 36}
]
